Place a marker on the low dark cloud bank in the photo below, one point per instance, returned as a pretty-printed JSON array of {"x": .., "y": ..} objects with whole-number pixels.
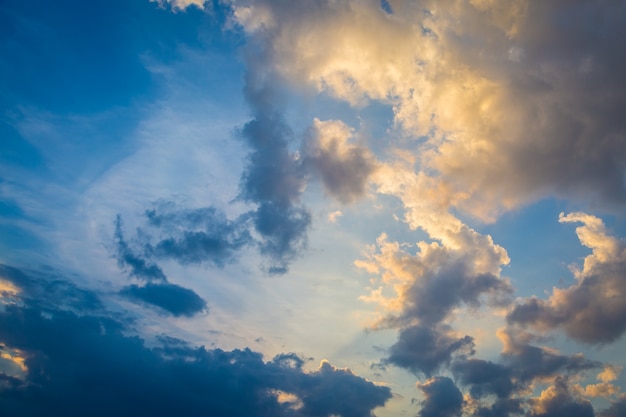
[{"x": 84, "y": 362}]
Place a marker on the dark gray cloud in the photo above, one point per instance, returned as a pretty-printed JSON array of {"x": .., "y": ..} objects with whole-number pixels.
[
  {"x": 274, "y": 180},
  {"x": 484, "y": 377},
  {"x": 521, "y": 367},
  {"x": 442, "y": 398},
  {"x": 529, "y": 362},
  {"x": 501, "y": 408},
  {"x": 196, "y": 235},
  {"x": 433, "y": 296},
  {"x": 424, "y": 350},
  {"x": 172, "y": 298},
  {"x": 88, "y": 364},
  {"x": 284, "y": 233},
  {"x": 557, "y": 401},
  {"x": 157, "y": 291}
]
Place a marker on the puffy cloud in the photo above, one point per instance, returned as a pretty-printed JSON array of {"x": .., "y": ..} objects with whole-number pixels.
[
  {"x": 557, "y": 401},
  {"x": 425, "y": 350},
  {"x": 343, "y": 167},
  {"x": 513, "y": 106},
  {"x": 87, "y": 363},
  {"x": 442, "y": 398},
  {"x": 437, "y": 279},
  {"x": 593, "y": 310},
  {"x": 484, "y": 377},
  {"x": 529, "y": 362}
]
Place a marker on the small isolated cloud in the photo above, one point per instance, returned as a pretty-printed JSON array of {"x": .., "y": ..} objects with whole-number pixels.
[
  {"x": 442, "y": 398},
  {"x": 343, "y": 167},
  {"x": 171, "y": 298},
  {"x": 593, "y": 310},
  {"x": 334, "y": 216}
]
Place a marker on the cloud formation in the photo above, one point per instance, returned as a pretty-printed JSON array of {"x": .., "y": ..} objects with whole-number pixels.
[
  {"x": 504, "y": 114},
  {"x": 86, "y": 363},
  {"x": 593, "y": 310},
  {"x": 156, "y": 289},
  {"x": 345, "y": 168},
  {"x": 442, "y": 398}
]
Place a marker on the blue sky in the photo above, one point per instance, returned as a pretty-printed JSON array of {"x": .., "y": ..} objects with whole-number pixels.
[{"x": 312, "y": 208}]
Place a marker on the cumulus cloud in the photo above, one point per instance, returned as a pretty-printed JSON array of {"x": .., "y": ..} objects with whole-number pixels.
[
  {"x": 593, "y": 310},
  {"x": 442, "y": 398},
  {"x": 87, "y": 363},
  {"x": 343, "y": 167},
  {"x": 424, "y": 350},
  {"x": 513, "y": 106},
  {"x": 437, "y": 278},
  {"x": 557, "y": 401}
]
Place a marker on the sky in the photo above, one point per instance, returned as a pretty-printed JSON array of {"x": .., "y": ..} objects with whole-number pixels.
[{"x": 313, "y": 208}]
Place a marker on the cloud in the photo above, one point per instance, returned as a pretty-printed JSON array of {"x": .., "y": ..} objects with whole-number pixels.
[
  {"x": 511, "y": 108},
  {"x": 424, "y": 350},
  {"x": 89, "y": 363},
  {"x": 557, "y": 401},
  {"x": 501, "y": 408},
  {"x": 334, "y": 216},
  {"x": 484, "y": 377},
  {"x": 438, "y": 277},
  {"x": 157, "y": 291},
  {"x": 343, "y": 167},
  {"x": 196, "y": 235},
  {"x": 45, "y": 289},
  {"x": 593, "y": 310},
  {"x": 139, "y": 267},
  {"x": 442, "y": 398},
  {"x": 530, "y": 362},
  {"x": 172, "y": 298},
  {"x": 617, "y": 409}
]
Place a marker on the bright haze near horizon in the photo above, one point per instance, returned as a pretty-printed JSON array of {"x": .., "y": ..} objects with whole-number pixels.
[{"x": 313, "y": 208}]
